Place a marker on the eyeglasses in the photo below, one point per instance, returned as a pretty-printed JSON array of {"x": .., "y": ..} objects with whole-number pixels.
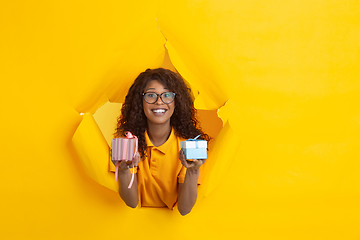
[{"x": 166, "y": 97}]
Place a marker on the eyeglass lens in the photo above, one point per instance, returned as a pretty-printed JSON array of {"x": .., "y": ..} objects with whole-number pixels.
[{"x": 166, "y": 97}]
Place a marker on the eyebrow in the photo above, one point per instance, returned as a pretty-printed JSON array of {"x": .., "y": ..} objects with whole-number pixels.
[{"x": 154, "y": 89}]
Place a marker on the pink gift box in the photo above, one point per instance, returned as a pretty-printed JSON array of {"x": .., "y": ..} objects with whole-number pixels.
[{"x": 123, "y": 149}]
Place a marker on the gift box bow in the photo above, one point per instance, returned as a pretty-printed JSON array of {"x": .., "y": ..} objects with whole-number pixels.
[{"x": 197, "y": 143}]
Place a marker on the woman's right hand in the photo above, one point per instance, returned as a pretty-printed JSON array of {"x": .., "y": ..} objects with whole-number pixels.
[{"x": 124, "y": 165}]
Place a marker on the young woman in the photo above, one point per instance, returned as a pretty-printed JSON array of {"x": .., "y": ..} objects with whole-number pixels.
[{"x": 159, "y": 110}]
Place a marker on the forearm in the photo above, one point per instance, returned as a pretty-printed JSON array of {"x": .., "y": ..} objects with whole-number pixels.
[
  {"x": 188, "y": 191},
  {"x": 129, "y": 195}
]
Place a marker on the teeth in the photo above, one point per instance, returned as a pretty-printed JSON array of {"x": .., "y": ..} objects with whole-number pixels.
[{"x": 158, "y": 110}]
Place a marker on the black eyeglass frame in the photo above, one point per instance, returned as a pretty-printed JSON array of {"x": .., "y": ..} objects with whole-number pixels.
[{"x": 157, "y": 97}]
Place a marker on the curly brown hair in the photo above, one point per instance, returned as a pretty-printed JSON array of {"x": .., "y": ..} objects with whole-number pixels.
[{"x": 183, "y": 120}]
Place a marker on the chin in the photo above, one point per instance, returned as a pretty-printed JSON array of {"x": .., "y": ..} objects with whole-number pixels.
[{"x": 158, "y": 121}]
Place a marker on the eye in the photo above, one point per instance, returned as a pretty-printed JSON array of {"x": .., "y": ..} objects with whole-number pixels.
[
  {"x": 151, "y": 95},
  {"x": 168, "y": 95}
]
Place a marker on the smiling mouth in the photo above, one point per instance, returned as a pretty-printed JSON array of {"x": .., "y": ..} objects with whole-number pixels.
[{"x": 158, "y": 110}]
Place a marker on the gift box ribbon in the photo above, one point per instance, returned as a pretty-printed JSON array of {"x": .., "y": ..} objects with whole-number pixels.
[{"x": 194, "y": 139}]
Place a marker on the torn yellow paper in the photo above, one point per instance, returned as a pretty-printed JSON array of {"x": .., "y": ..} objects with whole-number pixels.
[{"x": 94, "y": 152}]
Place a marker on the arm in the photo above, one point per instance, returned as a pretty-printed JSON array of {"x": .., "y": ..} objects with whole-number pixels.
[
  {"x": 128, "y": 195},
  {"x": 188, "y": 190}
]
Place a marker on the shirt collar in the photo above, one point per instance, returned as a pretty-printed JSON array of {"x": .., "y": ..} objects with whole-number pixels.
[{"x": 163, "y": 148}]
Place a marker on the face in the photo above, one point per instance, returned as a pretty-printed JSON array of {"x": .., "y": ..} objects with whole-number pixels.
[{"x": 158, "y": 112}]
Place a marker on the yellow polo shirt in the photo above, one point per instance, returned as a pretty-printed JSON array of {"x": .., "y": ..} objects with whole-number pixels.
[{"x": 160, "y": 172}]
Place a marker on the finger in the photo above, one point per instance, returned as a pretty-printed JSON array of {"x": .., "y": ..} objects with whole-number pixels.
[
  {"x": 129, "y": 163},
  {"x": 185, "y": 163},
  {"x": 191, "y": 165},
  {"x": 202, "y": 161},
  {"x": 123, "y": 165},
  {"x": 181, "y": 155},
  {"x": 182, "y": 158},
  {"x": 136, "y": 159},
  {"x": 196, "y": 163}
]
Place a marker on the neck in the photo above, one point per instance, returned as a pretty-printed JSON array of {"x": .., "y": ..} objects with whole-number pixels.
[{"x": 158, "y": 134}]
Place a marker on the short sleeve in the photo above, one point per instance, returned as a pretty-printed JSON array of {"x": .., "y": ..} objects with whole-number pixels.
[
  {"x": 181, "y": 177},
  {"x": 111, "y": 165},
  {"x": 133, "y": 170}
]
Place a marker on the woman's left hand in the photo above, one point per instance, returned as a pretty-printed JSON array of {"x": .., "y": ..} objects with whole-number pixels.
[{"x": 193, "y": 164}]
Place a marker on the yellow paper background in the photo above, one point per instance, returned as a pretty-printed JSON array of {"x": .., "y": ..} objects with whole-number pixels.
[{"x": 285, "y": 75}]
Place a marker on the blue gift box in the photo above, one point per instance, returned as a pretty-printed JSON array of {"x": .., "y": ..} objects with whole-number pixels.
[{"x": 194, "y": 149}]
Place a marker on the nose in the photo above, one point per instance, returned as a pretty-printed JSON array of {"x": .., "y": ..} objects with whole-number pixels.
[{"x": 159, "y": 101}]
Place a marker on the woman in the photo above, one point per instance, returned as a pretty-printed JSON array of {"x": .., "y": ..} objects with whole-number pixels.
[{"x": 159, "y": 110}]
